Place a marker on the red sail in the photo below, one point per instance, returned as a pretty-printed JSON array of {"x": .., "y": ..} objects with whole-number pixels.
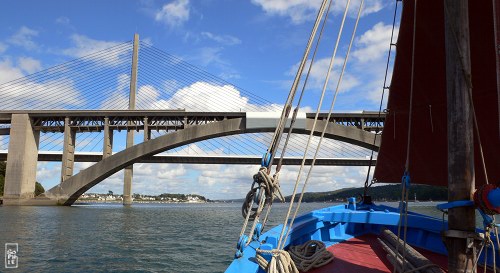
[{"x": 428, "y": 146}]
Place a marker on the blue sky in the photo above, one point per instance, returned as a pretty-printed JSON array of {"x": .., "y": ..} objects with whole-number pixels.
[{"x": 255, "y": 44}]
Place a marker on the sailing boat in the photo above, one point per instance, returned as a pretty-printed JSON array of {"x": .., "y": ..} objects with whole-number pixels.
[{"x": 447, "y": 140}]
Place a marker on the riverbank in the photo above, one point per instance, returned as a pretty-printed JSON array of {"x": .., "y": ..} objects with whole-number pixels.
[{"x": 137, "y": 202}]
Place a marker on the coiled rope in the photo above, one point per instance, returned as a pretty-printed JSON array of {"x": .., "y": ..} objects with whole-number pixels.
[{"x": 312, "y": 254}]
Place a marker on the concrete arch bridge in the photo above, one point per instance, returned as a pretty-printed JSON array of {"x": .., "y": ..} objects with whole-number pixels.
[{"x": 185, "y": 127}]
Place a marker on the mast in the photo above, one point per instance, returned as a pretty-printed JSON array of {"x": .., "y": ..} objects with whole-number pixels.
[{"x": 461, "y": 220}]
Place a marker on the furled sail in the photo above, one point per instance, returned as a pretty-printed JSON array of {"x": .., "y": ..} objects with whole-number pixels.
[{"x": 428, "y": 145}]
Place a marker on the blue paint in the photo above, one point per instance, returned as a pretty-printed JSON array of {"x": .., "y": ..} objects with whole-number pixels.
[
  {"x": 266, "y": 159},
  {"x": 352, "y": 203},
  {"x": 339, "y": 223},
  {"x": 406, "y": 180},
  {"x": 494, "y": 197},
  {"x": 487, "y": 220},
  {"x": 240, "y": 246},
  {"x": 257, "y": 232}
]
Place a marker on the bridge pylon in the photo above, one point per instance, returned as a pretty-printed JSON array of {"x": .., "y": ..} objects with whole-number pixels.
[
  {"x": 20, "y": 175},
  {"x": 128, "y": 172}
]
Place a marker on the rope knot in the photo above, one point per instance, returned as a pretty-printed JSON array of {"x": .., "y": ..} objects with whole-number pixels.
[{"x": 280, "y": 262}]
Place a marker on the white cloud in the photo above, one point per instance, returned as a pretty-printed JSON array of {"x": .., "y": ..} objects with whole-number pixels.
[
  {"x": 3, "y": 47},
  {"x": 51, "y": 94},
  {"x": 58, "y": 93},
  {"x": 212, "y": 181},
  {"x": 24, "y": 38},
  {"x": 374, "y": 43},
  {"x": 8, "y": 72},
  {"x": 63, "y": 20},
  {"x": 364, "y": 75},
  {"x": 199, "y": 96},
  {"x": 84, "y": 46},
  {"x": 48, "y": 174},
  {"x": 209, "y": 55},
  {"x": 318, "y": 74},
  {"x": 300, "y": 11},
  {"x": 174, "y": 14},
  {"x": 29, "y": 65},
  {"x": 213, "y": 56},
  {"x": 223, "y": 39},
  {"x": 118, "y": 99}
]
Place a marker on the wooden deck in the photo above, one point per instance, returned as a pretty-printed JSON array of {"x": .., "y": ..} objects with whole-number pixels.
[{"x": 365, "y": 255}]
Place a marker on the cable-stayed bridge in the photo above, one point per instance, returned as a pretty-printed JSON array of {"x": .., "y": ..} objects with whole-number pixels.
[{"x": 178, "y": 112}]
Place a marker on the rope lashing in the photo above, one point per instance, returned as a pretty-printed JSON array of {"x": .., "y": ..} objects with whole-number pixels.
[
  {"x": 311, "y": 254},
  {"x": 482, "y": 202},
  {"x": 269, "y": 186},
  {"x": 281, "y": 262}
]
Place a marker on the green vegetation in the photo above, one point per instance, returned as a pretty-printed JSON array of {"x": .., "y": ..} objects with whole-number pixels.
[
  {"x": 3, "y": 165},
  {"x": 180, "y": 197},
  {"x": 38, "y": 187},
  {"x": 380, "y": 193}
]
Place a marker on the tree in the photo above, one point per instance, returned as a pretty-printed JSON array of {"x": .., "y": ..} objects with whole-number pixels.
[
  {"x": 2, "y": 182},
  {"x": 3, "y": 165},
  {"x": 38, "y": 189}
]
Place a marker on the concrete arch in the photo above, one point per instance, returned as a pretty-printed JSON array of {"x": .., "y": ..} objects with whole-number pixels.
[{"x": 68, "y": 192}]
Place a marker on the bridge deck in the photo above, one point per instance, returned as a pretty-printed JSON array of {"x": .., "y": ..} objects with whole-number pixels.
[{"x": 50, "y": 156}]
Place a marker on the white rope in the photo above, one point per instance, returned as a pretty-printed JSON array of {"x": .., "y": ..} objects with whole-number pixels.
[
  {"x": 281, "y": 262},
  {"x": 297, "y": 107},
  {"x": 281, "y": 124},
  {"x": 269, "y": 190},
  {"x": 337, "y": 89},
  {"x": 286, "y": 109},
  {"x": 281, "y": 241}
]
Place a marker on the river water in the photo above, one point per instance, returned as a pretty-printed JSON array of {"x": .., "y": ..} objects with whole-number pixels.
[{"x": 140, "y": 238}]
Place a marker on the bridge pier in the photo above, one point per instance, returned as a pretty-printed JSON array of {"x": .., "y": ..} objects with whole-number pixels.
[
  {"x": 68, "y": 157},
  {"x": 147, "y": 132},
  {"x": 107, "y": 149},
  {"x": 20, "y": 176}
]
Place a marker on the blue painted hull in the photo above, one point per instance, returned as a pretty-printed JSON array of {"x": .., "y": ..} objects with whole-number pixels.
[{"x": 336, "y": 224}]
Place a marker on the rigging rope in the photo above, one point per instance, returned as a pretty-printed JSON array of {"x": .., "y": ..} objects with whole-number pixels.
[
  {"x": 406, "y": 176},
  {"x": 327, "y": 78},
  {"x": 302, "y": 92},
  {"x": 271, "y": 151},
  {"x": 384, "y": 87},
  {"x": 286, "y": 109},
  {"x": 337, "y": 89}
]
